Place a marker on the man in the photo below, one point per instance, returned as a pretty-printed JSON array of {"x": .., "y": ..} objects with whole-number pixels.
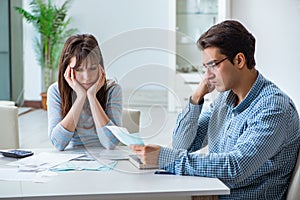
[{"x": 251, "y": 129}]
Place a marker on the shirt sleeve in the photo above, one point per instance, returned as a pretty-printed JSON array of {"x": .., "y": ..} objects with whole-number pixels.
[
  {"x": 58, "y": 135},
  {"x": 191, "y": 128},
  {"x": 266, "y": 132},
  {"x": 114, "y": 113}
]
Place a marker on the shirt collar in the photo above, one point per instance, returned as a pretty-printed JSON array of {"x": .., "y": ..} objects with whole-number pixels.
[{"x": 252, "y": 94}]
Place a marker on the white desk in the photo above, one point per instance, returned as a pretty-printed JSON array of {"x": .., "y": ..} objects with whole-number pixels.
[{"x": 124, "y": 182}]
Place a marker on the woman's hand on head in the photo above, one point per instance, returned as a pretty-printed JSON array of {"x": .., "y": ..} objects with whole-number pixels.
[
  {"x": 92, "y": 91},
  {"x": 73, "y": 83}
]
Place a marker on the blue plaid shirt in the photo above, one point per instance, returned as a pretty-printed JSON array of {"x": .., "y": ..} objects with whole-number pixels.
[{"x": 252, "y": 146}]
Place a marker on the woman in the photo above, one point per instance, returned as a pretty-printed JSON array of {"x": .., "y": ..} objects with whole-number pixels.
[{"x": 82, "y": 103}]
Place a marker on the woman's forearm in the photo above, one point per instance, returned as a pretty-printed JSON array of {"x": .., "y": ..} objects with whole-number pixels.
[
  {"x": 70, "y": 121},
  {"x": 99, "y": 115}
]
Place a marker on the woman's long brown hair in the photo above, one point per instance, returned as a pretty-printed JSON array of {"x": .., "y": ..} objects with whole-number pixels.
[{"x": 83, "y": 47}]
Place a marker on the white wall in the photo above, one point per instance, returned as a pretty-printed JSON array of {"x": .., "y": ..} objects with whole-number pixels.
[
  {"x": 276, "y": 27},
  {"x": 32, "y": 70},
  {"x": 132, "y": 34},
  {"x": 120, "y": 26}
]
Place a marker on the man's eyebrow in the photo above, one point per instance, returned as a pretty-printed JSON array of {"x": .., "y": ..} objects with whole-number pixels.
[{"x": 210, "y": 62}]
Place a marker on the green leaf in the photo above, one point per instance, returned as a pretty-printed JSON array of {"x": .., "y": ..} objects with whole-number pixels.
[{"x": 51, "y": 22}]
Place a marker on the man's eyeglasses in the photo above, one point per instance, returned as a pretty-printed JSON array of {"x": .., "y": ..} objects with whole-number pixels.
[{"x": 211, "y": 64}]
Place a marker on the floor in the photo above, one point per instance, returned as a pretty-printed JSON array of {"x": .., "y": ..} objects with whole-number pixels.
[{"x": 156, "y": 126}]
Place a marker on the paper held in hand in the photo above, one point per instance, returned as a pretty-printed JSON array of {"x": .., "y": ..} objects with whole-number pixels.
[{"x": 125, "y": 137}]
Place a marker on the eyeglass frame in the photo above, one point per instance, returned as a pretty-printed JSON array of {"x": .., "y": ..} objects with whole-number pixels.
[{"x": 212, "y": 64}]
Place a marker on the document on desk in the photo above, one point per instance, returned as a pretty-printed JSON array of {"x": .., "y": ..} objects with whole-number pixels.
[
  {"x": 43, "y": 161},
  {"x": 35, "y": 168},
  {"x": 114, "y": 154},
  {"x": 13, "y": 174},
  {"x": 125, "y": 137},
  {"x": 119, "y": 153},
  {"x": 99, "y": 165}
]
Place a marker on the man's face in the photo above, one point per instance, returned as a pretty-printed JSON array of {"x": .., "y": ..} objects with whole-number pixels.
[{"x": 219, "y": 70}]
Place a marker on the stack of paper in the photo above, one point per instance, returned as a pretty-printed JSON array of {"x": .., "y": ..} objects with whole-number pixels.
[
  {"x": 85, "y": 165},
  {"x": 43, "y": 161},
  {"x": 35, "y": 168}
]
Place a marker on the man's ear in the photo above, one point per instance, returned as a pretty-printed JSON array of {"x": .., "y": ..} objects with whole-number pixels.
[{"x": 240, "y": 60}]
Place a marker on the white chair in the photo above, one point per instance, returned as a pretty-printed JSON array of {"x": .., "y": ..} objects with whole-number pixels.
[
  {"x": 7, "y": 103},
  {"x": 131, "y": 120},
  {"x": 9, "y": 127},
  {"x": 294, "y": 186}
]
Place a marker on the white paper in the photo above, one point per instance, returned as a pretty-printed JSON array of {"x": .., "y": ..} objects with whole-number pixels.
[
  {"x": 13, "y": 174},
  {"x": 119, "y": 153},
  {"x": 85, "y": 165},
  {"x": 114, "y": 154},
  {"x": 125, "y": 137},
  {"x": 43, "y": 161}
]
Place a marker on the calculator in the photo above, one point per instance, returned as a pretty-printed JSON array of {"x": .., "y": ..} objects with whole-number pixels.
[{"x": 17, "y": 153}]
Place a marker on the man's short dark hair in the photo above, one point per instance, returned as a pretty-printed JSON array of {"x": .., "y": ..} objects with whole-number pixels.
[{"x": 231, "y": 37}]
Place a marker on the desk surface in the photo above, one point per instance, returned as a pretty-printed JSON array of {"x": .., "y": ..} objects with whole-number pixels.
[{"x": 125, "y": 181}]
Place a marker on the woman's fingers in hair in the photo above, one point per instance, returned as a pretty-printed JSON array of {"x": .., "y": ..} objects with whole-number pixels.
[
  {"x": 67, "y": 73},
  {"x": 72, "y": 74}
]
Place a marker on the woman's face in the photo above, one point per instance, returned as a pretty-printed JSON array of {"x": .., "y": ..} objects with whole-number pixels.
[{"x": 86, "y": 74}]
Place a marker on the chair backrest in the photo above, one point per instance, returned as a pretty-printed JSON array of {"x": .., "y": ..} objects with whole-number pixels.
[
  {"x": 9, "y": 127},
  {"x": 294, "y": 186},
  {"x": 7, "y": 103},
  {"x": 131, "y": 120}
]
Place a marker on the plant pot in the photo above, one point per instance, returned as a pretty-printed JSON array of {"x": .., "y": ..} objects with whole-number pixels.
[{"x": 44, "y": 100}]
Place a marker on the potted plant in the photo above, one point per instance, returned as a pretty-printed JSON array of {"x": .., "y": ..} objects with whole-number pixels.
[{"x": 51, "y": 22}]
